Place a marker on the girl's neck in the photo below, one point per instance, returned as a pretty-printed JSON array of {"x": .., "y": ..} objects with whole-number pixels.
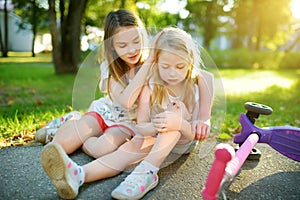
[{"x": 176, "y": 90}]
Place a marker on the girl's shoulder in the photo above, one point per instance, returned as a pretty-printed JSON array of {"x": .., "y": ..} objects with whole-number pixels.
[
  {"x": 147, "y": 89},
  {"x": 103, "y": 83},
  {"x": 196, "y": 89},
  {"x": 104, "y": 66}
]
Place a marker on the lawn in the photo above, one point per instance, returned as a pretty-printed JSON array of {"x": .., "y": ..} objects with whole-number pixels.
[
  {"x": 32, "y": 95},
  {"x": 278, "y": 89}
]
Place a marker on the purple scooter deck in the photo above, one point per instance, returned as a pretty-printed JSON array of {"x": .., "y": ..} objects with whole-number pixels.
[{"x": 284, "y": 139}]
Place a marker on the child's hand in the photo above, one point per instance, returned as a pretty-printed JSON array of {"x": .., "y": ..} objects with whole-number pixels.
[
  {"x": 151, "y": 57},
  {"x": 180, "y": 108},
  {"x": 171, "y": 119},
  {"x": 166, "y": 121},
  {"x": 201, "y": 129}
]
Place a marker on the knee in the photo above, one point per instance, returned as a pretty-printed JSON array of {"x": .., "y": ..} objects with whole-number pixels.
[
  {"x": 87, "y": 151},
  {"x": 98, "y": 146},
  {"x": 88, "y": 147}
]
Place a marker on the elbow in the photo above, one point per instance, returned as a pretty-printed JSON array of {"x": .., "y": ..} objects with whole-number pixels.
[
  {"x": 188, "y": 137},
  {"x": 191, "y": 137},
  {"x": 126, "y": 105}
]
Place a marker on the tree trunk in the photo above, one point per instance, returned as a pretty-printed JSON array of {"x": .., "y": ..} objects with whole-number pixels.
[
  {"x": 34, "y": 27},
  {"x": 71, "y": 34},
  {"x": 209, "y": 25},
  {"x": 293, "y": 44},
  {"x": 1, "y": 42},
  {"x": 5, "y": 43},
  {"x": 66, "y": 41},
  {"x": 258, "y": 35},
  {"x": 56, "y": 50}
]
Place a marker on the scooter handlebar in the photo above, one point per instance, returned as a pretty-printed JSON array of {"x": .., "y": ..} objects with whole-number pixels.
[{"x": 223, "y": 154}]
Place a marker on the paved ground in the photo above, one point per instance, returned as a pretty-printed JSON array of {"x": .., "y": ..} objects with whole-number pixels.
[{"x": 273, "y": 177}]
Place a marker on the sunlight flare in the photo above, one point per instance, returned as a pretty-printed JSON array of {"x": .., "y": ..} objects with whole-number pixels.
[
  {"x": 295, "y": 8},
  {"x": 255, "y": 82}
]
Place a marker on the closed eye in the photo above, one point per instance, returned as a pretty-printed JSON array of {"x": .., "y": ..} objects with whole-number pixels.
[
  {"x": 136, "y": 41},
  {"x": 164, "y": 66},
  {"x": 181, "y": 66},
  {"x": 122, "y": 45}
]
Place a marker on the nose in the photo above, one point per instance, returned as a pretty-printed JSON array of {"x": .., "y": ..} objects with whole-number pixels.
[
  {"x": 172, "y": 72},
  {"x": 132, "y": 49}
]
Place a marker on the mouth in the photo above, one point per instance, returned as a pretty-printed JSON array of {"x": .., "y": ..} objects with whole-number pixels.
[
  {"x": 172, "y": 80},
  {"x": 133, "y": 57}
]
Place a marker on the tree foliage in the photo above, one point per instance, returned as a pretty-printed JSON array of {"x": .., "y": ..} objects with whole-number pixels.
[
  {"x": 96, "y": 10},
  {"x": 262, "y": 23},
  {"x": 205, "y": 18},
  {"x": 252, "y": 24},
  {"x": 32, "y": 13}
]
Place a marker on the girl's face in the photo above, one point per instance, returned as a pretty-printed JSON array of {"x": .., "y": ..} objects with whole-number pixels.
[
  {"x": 127, "y": 44},
  {"x": 172, "y": 68}
]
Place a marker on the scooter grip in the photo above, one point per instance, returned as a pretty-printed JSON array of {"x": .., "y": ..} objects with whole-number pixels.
[
  {"x": 223, "y": 154},
  {"x": 241, "y": 155}
]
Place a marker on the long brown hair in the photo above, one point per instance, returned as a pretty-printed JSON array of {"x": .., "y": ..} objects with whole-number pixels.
[{"x": 115, "y": 20}]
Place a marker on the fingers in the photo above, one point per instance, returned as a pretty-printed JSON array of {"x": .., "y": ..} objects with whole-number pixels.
[
  {"x": 201, "y": 131},
  {"x": 159, "y": 124},
  {"x": 157, "y": 36},
  {"x": 161, "y": 130},
  {"x": 159, "y": 120},
  {"x": 152, "y": 52}
]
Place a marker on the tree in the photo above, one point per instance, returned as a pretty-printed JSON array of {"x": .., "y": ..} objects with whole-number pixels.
[
  {"x": 97, "y": 11},
  {"x": 205, "y": 16},
  {"x": 66, "y": 34},
  {"x": 4, "y": 44},
  {"x": 147, "y": 10},
  {"x": 263, "y": 23},
  {"x": 31, "y": 13}
]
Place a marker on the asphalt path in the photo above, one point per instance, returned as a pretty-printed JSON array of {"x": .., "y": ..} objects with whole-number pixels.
[{"x": 274, "y": 176}]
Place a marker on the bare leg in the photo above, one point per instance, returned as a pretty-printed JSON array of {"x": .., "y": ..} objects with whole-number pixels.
[
  {"x": 162, "y": 147},
  {"x": 74, "y": 133},
  {"x": 114, "y": 163},
  {"x": 106, "y": 143}
]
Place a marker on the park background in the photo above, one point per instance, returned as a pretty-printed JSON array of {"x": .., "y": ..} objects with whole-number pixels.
[{"x": 254, "y": 43}]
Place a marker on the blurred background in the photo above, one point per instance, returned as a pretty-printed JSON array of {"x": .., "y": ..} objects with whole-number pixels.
[
  {"x": 255, "y": 45},
  {"x": 237, "y": 33}
]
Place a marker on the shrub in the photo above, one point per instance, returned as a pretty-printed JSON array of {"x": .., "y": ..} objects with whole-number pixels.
[{"x": 244, "y": 58}]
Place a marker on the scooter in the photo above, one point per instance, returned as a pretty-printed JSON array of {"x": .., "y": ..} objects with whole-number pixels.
[{"x": 228, "y": 162}]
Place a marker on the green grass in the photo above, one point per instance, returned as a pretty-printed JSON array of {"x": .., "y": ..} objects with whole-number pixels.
[
  {"x": 21, "y": 57},
  {"x": 31, "y": 95},
  {"x": 278, "y": 89}
]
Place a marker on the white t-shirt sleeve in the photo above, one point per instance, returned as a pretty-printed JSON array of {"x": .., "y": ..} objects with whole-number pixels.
[{"x": 103, "y": 77}]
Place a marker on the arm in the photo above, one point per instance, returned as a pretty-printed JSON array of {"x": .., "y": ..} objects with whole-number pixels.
[
  {"x": 103, "y": 77},
  {"x": 127, "y": 96},
  {"x": 176, "y": 119},
  {"x": 186, "y": 130},
  {"x": 201, "y": 126},
  {"x": 144, "y": 125}
]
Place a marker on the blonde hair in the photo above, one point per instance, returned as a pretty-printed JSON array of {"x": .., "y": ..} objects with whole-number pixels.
[
  {"x": 114, "y": 20},
  {"x": 179, "y": 42}
]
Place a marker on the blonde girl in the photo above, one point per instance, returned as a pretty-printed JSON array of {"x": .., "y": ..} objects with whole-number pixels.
[
  {"x": 100, "y": 133},
  {"x": 168, "y": 107}
]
